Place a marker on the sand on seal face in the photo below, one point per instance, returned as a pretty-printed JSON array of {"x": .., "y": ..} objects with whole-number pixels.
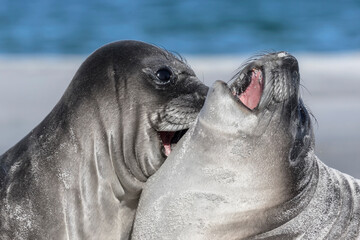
[{"x": 31, "y": 86}]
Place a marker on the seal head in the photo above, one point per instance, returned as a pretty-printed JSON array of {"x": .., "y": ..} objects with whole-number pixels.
[
  {"x": 247, "y": 169},
  {"x": 79, "y": 173}
]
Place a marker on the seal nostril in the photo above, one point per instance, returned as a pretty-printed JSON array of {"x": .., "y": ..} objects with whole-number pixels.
[{"x": 291, "y": 63}]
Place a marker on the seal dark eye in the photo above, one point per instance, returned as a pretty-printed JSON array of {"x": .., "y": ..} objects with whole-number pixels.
[{"x": 164, "y": 75}]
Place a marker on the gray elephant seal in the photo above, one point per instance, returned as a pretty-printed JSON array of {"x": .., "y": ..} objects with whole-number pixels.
[
  {"x": 79, "y": 173},
  {"x": 247, "y": 169}
]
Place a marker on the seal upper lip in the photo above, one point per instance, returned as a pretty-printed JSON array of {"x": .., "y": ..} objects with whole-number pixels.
[{"x": 248, "y": 88}]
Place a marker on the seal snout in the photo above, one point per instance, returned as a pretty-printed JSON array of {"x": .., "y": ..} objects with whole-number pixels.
[
  {"x": 290, "y": 62},
  {"x": 267, "y": 79},
  {"x": 287, "y": 61},
  {"x": 248, "y": 88}
]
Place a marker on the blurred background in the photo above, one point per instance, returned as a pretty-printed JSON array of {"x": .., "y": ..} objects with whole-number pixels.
[{"x": 43, "y": 42}]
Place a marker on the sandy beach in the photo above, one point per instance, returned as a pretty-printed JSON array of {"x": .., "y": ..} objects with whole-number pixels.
[{"x": 30, "y": 86}]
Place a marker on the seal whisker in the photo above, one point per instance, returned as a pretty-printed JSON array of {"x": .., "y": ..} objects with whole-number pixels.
[
  {"x": 303, "y": 87},
  {"x": 268, "y": 95},
  {"x": 243, "y": 65},
  {"x": 312, "y": 115},
  {"x": 179, "y": 56}
]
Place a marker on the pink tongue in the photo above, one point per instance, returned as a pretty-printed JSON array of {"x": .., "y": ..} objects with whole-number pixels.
[
  {"x": 166, "y": 140},
  {"x": 251, "y": 96}
]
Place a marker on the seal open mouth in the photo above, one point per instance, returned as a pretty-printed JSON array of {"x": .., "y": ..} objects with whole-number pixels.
[
  {"x": 249, "y": 88},
  {"x": 170, "y": 139}
]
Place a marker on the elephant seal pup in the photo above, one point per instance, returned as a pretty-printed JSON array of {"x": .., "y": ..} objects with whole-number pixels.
[
  {"x": 247, "y": 170},
  {"x": 78, "y": 174}
]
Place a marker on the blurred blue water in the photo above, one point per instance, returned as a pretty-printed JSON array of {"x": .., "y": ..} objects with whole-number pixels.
[{"x": 187, "y": 26}]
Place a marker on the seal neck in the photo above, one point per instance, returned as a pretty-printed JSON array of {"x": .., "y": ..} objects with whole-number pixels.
[
  {"x": 259, "y": 184},
  {"x": 265, "y": 175}
]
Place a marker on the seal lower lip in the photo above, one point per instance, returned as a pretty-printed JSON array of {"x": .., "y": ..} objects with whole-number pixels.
[
  {"x": 170, "y": 139},
  {"x": 252, "y": 94}
]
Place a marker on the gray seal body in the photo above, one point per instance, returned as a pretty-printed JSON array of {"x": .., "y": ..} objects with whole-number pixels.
[
  {"x": 79, "y": 173},
  {"x": 247, "y": 169}
]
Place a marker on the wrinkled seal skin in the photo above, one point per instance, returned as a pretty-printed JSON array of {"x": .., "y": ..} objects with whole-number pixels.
[
  {"x": 79, "y": 173},
  {"x": 250, "y": 174}
]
